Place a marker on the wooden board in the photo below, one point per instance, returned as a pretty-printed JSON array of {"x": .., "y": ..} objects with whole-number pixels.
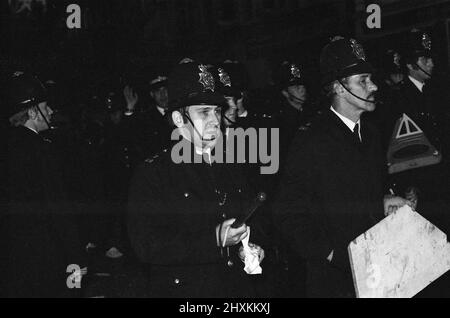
[{"x": 399, "y": 256}]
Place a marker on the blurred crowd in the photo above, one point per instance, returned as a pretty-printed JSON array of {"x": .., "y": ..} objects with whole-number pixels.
[{"x": 96, "y": 146}]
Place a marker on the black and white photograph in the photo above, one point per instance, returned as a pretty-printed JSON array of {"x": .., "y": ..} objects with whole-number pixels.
[{"x": 224, "y": 154}]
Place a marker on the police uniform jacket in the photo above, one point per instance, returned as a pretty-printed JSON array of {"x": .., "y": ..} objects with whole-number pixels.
[
  {"x": 422, "y": 107},
  {"x": 330, "y": 193},
  {"x": 429, "y": 111},
  {"x": 40, "y": 227},
  {"x": 173, "y": 213}
]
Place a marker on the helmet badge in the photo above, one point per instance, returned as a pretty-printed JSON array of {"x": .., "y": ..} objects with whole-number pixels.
[
  {"x": 206, "y": 78},
  {"x": 358, "y": 50},
  {"x": 295, "y": 71},
  {"x": 224, "y": 77},
  {"x": 426, "y": 41}
]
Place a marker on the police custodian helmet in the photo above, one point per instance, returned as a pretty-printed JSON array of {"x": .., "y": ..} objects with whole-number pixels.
[
  {"x": 193, "y": 84},
  {"x": 341, "y": 58},
  {"x": 233, "y": 77},
  {"x": 25, "y": 91},
  {"x": 417, "y": 44},
  {"x": 289, "y": 74}
]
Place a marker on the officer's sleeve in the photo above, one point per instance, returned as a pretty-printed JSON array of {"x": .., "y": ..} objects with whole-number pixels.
[
  {"x": 295, "y": 214},
  {"x": 157, "y": 234}
]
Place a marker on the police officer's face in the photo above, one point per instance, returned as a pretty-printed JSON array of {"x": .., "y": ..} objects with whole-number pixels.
[
  {"x": 362, "y": 86},
  {"x": 47, "y": 112},
  {"x": 206, "y": 119},
  {"x": 396, "y": 78},
  {"x": 427, "y": 65},
  {"x": 160, "y": 96},
  {"x": 298, "y": 92}
]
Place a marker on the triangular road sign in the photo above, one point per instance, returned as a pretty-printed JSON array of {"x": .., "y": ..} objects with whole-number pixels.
[
  {"x": 410, "y": 148},
  {"x": 407, "y": 127}
]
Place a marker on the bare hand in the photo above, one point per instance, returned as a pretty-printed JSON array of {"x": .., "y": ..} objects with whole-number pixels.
[
  {"x": 412, "y": 195},
  {"x": 256, "y": 249},
  {"x": 393, "y": 203},
  {"x": 233, "y": 236},
  {"x": 131, "y": 97}
]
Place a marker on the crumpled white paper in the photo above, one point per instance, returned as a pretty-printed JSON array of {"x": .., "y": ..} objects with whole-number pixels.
[{"x": 251, "y": 261}]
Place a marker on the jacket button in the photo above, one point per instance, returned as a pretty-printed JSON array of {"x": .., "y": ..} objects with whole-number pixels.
[
  {"x": 186, "y": 194},
  {"x": 176, "y": 281},
  {"x": 230, "y": 263},
  {"x": 224, "y": 215}
]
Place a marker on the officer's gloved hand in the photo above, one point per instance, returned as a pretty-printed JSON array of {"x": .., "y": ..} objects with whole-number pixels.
[{"x": 228, "y": 236}]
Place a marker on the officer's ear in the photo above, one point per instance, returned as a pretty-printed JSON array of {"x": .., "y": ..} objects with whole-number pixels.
[
  {"x": 177, "y": 119},
  {"x": 411, "y": 67},
  {"x": 32, "y": 113},
  {"x": 338, "y": 88}
]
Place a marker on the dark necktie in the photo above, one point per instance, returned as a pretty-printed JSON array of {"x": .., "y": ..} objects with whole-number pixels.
[{"x": 356, "y": 133}]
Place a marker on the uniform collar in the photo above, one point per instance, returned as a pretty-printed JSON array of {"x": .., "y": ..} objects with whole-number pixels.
[
  {"x": 349, "y": 123},
  {"x": 33, "y": 130},
  {"x": 416, "y": 83},
  {"x": 161, "y": 110},
  {"x": 201, "y": 151}
]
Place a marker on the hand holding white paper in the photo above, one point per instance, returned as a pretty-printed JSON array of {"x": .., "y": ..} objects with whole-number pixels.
[{"x": 251, "y": 255}]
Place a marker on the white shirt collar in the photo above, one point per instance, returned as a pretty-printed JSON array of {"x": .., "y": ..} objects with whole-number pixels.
[
  {"x": 201, "y": 151},
  {"x": 32, "y": 129},
  {"x": 418, "y": 84},
  {"x": 161, "y": 110},
  {"x": 348, "y": 122}
]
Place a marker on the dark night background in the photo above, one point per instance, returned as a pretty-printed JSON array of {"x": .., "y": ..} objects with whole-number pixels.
[{"x": 127, "y": 40}]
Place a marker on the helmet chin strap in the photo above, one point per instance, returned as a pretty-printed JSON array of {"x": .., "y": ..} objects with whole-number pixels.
[
  {"x": 195, "y": 128},
  {"x": 295, "y": 98},
  {"x": 423, "y": 70},
  {"x": 356, "y": 96},
  {"x": 45, "y": 119},
  {"x": 231, "y": 121}
]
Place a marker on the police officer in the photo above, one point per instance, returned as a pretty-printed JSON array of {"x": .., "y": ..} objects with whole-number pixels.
[
  {"x": 181, "y": 211},
  {"x": 40, "y": 226},
  {"x": 416, "y": 99},
  {"x": 155, "y": 122},
  {"x": 420, "y": 99},
  {"x": 235, "y": 82},
  {"x": 293, "y": 113},
  {"x": 332, "y": 188}
]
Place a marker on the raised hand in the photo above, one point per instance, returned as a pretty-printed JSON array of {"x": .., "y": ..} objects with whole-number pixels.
[{"x": 131, "y": 97}]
